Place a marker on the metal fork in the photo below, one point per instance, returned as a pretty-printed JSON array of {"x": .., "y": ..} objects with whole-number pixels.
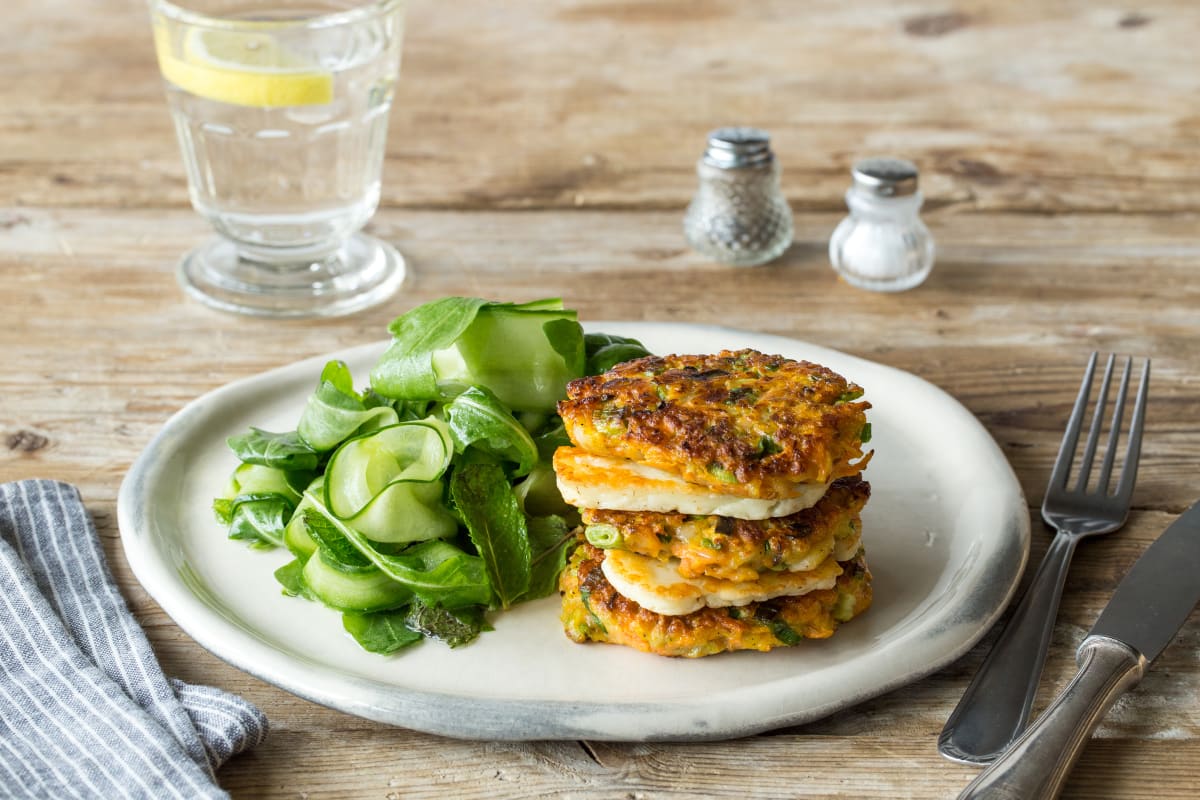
[{"x": 995, "y": 708}]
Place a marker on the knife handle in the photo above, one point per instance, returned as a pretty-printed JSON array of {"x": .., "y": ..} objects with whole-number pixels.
[
  {"x": 995, "y": 707},
  {"x": 1037, "y": 764}
]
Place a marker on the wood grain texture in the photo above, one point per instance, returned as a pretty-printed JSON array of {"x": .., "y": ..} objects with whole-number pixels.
[
  {"x": 106, "y": 349},
  {"x": 1005, "y": 106},
  {"x": 546, "y": 149}
]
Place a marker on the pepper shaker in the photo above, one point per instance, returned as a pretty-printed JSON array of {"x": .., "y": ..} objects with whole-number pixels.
[
  {"x": 738, "y": 215},
  {"x": 883, "y": 245}
]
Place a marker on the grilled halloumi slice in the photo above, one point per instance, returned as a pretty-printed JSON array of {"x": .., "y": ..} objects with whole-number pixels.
[
  {"x": 593, "y": 611},
  {"x": 587, "y": 480},
  {"x": 657, "y": 585},
  {"x": 739, "y": 549}
]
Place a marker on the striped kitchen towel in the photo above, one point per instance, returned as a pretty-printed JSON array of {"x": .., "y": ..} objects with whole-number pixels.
[{"x": 85, "y": 710}]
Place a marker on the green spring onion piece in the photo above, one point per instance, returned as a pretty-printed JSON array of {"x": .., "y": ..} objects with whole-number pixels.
[
  {"x": 721, "y": 473},
  {"x": 606, "y": 537}
]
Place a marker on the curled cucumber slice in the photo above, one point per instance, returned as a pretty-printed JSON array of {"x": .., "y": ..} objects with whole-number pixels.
[
  {"x": 387, "y": 484},
  {"x": 257, "y": 479},
  {"x": 370, "y": 590}
]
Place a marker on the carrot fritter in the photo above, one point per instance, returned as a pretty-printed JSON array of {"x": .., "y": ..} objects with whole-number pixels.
[
  {"x": 738, "y": 549},
  {"x": 740, "y": 422},
  {"x": 594, "y": 611}
]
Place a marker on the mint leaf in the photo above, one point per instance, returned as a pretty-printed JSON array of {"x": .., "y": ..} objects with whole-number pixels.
[
  {"x": 496, "y": 525},
  {"x": 336, "y": 549},
  {"x": 552, "y": 541},
  {"x": 455, "y": 628}
]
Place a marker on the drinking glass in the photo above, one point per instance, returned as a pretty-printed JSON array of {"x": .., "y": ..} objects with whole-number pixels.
[{"x": 281, "y": 109}]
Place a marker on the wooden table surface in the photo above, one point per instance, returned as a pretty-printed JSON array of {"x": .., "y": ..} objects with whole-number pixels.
[{"x": 542, "y": 148}]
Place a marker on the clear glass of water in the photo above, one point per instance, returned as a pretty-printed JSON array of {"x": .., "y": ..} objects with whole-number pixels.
[{"x": 281, "y": 110}]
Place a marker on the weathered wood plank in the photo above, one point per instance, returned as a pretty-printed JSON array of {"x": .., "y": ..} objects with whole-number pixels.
[
  {"x": 605, "y": 104},
  {"x": 102, "y": 347},
  {"x": 1004, "y": 323}
]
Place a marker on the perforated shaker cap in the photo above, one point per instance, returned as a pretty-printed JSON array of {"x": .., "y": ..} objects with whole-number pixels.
[
  {"x": 886, "y": 177},
  {"x": 733, "y": 148}
]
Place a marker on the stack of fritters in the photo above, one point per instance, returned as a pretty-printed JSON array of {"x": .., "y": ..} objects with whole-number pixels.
[{"x": 720, "y": 497}]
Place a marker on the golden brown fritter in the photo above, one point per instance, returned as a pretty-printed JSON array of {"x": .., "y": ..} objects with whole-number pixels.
[
  {"x": 737, "y": 549},
  {"x": 594, "y": 611},
  {"x": 739, "y": 422}
]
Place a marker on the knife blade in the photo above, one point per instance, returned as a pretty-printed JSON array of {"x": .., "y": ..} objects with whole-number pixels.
[
  {"x": 1149, "y": 606},
  {"x": 1155, "y": 598}
]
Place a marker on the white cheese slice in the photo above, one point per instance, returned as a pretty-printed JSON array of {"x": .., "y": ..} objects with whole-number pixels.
[
  {"x": 587, "y": 480},
  {"x": 657, "y": 585},
  {"x": 847, "y": 547}
]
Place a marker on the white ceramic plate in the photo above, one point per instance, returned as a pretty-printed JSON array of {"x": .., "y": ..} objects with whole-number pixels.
[{"x": 946, "y": 532}]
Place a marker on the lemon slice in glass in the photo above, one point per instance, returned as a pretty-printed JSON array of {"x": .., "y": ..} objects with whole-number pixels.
[{"x": 241, "y": 68}]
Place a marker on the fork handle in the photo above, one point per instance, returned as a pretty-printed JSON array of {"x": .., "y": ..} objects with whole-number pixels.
[
  {"x": 995, "y": 708},
  {"x": 1037, "y": 765}
]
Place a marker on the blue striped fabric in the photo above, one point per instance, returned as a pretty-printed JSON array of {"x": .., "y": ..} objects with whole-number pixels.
[{"x": 85, "y": 710}]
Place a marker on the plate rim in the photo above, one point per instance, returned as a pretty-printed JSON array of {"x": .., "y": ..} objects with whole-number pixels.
[{"x": 472, "y": 717}]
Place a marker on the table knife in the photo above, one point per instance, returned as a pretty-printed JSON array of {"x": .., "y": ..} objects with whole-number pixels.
[{"x": 1148, "y": 608}]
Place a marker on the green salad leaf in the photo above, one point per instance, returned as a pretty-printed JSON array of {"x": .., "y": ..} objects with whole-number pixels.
[
  {"x": 382, "y": 632},
  {"x": 437, "y": 572},
  {"x": 291, "y": 578},
  {"x": 417, "y": 503},
  {"x": 260, "y": 519},
  {"x": 406, "y": 371},
  {"x": 478, "y": 419},
  {"x": 336, "y": 412},
  {"x": 454, "y": 627},
  {"x": 484, "y": 499},
  {"x": 604, "y": 351},
  {"x": 551, "y": 539},
  {"x": 334, "y": 547},
  {"x": 283, "y": 451}
]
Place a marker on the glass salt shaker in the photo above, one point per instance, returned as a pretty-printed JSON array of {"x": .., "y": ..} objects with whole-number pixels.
[
  {"x": 883, "y": 245},
  {"x": 738, "y": 215}
]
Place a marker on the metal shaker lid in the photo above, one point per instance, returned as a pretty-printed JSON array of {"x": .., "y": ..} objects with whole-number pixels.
[
  {"x": 732, "y": 148},
  {"x": 886, "y": 177}
]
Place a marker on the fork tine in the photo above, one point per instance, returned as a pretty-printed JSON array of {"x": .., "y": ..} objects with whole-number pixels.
[
  {"x": 1089, "y": 450},
  {"x": 1066, "y": 450},
  {"x": 1114, "y": 435},
  {"x": 1129, "y": 471}
]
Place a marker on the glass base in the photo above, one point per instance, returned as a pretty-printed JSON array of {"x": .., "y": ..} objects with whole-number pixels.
[{"x": 362, "y": 272}]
